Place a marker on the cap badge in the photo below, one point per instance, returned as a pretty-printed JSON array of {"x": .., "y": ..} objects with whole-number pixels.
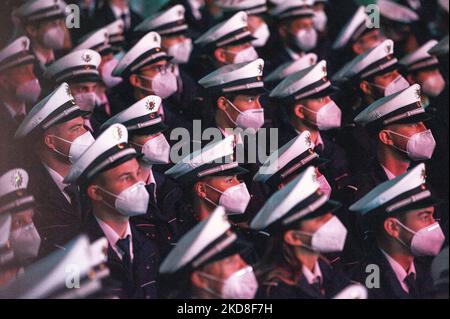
[
  {"x": 150, "y": 105},
  {"x": 423, "y": 174},
  {"x": 260, "y": 68},
  {"x": 418, "y": 95},
  {"x": 117, "y": 133},
  {"x": 17, "y": 179},
  {"x": 388, "y": 48},
  {"x": 308, "y": 140},
  {"x": 24, "y": 44},
  {"x": 86, "y": 57}
]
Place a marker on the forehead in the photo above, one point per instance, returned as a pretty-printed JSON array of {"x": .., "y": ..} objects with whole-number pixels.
[
  {"x": 130, "y": 166},
  {"x": 79, "y": 85}
]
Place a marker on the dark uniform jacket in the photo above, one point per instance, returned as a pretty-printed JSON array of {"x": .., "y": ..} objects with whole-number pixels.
[
  {"x": 168, "y": 216},
  {"x": 141, "y": 281},
  {"x": 333, "y": 282},
  {"x": 390, "y": 287}
]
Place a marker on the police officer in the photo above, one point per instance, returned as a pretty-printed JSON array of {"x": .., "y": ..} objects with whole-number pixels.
[
  {"x": 80, "y": 70},
  {"x": 395, "y": 125},
  {"x": 43, "y": 22},
  {"x": 295, "y": 32},
  {"x": 19, "y": 244},
  {"x": 301, "y": 224},
  {"x": 399, "y": 216},
  {"x": 355, "y": 38},
  {"x": 207, "y": 263},
  {"x": 257, "y": 18},
  {"x": 305, "y": 96},
  {"x": 164, "y": 221},
  {"x": 367, "y": 78},
  {"x": 145, "y": 70},
  {"x": 171, "y": 26},
  {"x": 99, "y": 41},
  {"x": 53, "y": 135},
  {"x": 19, "y": 88},
  {"x": 109, "y": 174},
  {"x": 228, "y": 42}
]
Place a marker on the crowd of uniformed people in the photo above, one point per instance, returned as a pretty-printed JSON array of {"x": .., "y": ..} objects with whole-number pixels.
[{"x": 315, "y": 164}]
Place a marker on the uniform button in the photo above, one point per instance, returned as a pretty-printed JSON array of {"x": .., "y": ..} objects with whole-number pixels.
[
  {"x": 147, "y": 297},
  {"x": 148, "y": 267}
]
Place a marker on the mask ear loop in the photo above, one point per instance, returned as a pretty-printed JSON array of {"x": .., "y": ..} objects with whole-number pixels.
[
  {"x": 408, "y": 230},
  {"x": 59, "y": 152},
  {"x": 396, "y": 147},
  {"x": 306, "y": 234},
  {"x": 109, "y": 193},
  {"x": 210, "y": 201},
  {"x": 235, "y": 108}
]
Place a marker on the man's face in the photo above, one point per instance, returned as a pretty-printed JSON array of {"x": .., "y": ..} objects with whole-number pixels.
[
  {"x": 367, "y": 41},
  {"x": 406, "y": 130},
  {"x": 58, "y": 137},
  {"x": 146, "y": 73},
  {"x": 12, "y": 78},
  {"x": 22, "y": 219},
  {"x": 241, "y": 102},
  {"x": 310, "y": 107},
  {"x": 38, "y": 32},
  {"x": 105, "y": 59},
  {"x": 225, "y": 55},
  {"x": 254, "y": 22},
  {"x": 137, "y": 140},
  {"x": 415, "y": 220},
  {"x": 117, "y": 180},
  {"x": 168, "y": 41},
  {"x": 220, "y": 270},
  {"x": 291, "y": 28},
  {"x": 376, "y": 87},
  {"x": 424, "y": 75},
  {"x": 83, "y": 87},
  {"x": 220, "y": 183}
]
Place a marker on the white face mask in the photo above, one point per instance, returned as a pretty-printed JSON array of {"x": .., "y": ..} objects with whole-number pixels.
[
  {"x": 164, "y": 84},
  {"x": 324, "y": 185},
  {"x": 328, "y": 117},
  {"x": 330, "y": 237},
  {"x": 234, "y": 199},
  {"x": 261, "y": 34},
  {"x": 306, "y": 39},
  {"x": 54, "y": 38},
  {"x": 247, "y": 55},
  {"x": 425, "y": 242},
  {"x": 5, "y": 226},
  {"x": 249, "y": 119},
  {"x": 156, "y": 150},
  {"x": 77, "y": 146},
  {"x": 107, "y": 68},
  {"x": 86, "y": 101},
  {"x": 181, "y": 51},
  {"x": 420, "y": 146},
  {"x": 25, "y": 242},
  {"x": 29, "y": 91},
  {"x": 320, "y": 20},
  {"x": 132, "y": 201},
  {"x": 399, "y": 84},
  {"x": 433, "y": 85},
  {"x": 242, "y": 284}
]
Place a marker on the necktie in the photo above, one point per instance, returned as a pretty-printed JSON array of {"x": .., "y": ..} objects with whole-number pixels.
[
  {"x": 124, "y": 17},
  {"x": 73, "y": 192},
  {"x": 317, "y": 286},
  {"x": 124, "y": 246},
  {"x": 410, "y": 282}
]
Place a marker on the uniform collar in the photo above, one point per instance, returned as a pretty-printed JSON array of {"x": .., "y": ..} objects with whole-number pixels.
[
  {"x": 389, "y": 174},
  {"x": 314, "y": 276},
  {"x": 399, "y": 271},
  {"x": 13, "y": 112},
  {"x": 113, "y": 237},
  {"x": 58, "y": 179}
]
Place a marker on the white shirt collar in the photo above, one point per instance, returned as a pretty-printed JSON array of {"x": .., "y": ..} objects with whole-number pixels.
[
  {"x": 312, "y": 277},
  {"x": 399, "y": 271},
  {"x": 237, "y": 137},
  {"x": 389, "y": 174},
  {"x": 42, "y": 59},
  {"x": 151, "y": 178},
  {"x": 294, "y": 55},
  {"x": 13, "y": 112},
  {"x": 118, "y": 11},
  {"x": 113, "y": 237},
  {"x": 58, "y": 179}
]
